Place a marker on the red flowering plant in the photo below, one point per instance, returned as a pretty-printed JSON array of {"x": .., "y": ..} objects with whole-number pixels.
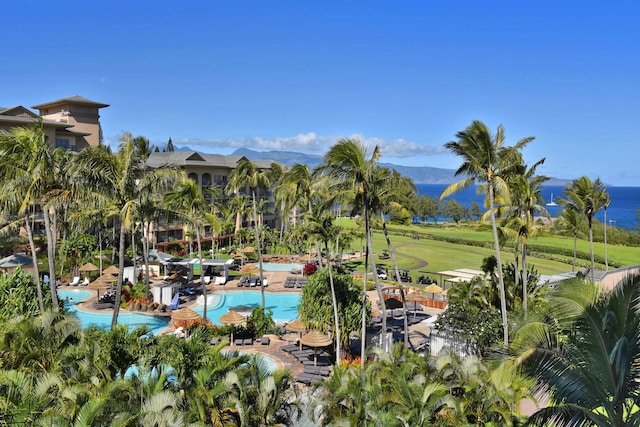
[{"x": 309, "y": 269}]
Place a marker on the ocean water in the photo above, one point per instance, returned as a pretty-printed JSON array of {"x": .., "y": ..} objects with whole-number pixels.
[{"x": 621, "y": 212}]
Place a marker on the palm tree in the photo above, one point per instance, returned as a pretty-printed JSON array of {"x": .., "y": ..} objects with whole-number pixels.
[
  {"x": 526, "y": 202},
  {"x": 585, "y": 354},
  {"x": 246, "y": 174},
  {"x": 320, "y": 224},
  {"x": 394, "y": 189},
  {"x": 352, "y": 166},
  {"x": 587, "y": 198},
  {"x": 486, "y": 159},
  {"x": 27, "y": 170},
  {"x": 605, "y": 204},
  {"x": 572, "y": 221},
  {"x": 190, "y": 203},
  {"x": 119, "y": 181}
]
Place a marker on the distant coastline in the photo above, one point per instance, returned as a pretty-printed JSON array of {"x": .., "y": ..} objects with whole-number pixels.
[{"x": 621, "y": 212}]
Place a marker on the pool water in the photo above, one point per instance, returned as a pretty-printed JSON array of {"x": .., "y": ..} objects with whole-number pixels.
[
  {"x": 276, "y": 266},
  {"x": 103, "y": 320},
  {"x": 284, "y": 305}
]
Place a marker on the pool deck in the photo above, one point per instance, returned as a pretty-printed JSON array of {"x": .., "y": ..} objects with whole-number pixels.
[{"x": 276, "y": 280}]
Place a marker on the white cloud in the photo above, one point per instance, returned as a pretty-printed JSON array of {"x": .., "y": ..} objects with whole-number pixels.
[
  {"x": 313, "y": 143},
  {"x": 309, "y": 142}
]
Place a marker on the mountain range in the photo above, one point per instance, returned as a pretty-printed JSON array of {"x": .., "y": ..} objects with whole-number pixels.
[{"x": 419, "y": 174}]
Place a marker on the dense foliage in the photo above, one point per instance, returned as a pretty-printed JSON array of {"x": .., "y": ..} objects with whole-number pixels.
[
  {"x": 316, "y": 308},
  {"x": 402, "y": 388},
  {"x": 54, "y": 373},
  {"x": 18, "y": 295}
]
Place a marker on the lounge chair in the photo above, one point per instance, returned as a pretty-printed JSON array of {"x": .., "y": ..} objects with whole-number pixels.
[
  {"x": 206, "y": 280},
  {"x": 75, "y": 282},
  {"x": 238, "y": 341},
  {"x": 265, "y": 340},
  {"x": 85, "y": 282},
  {"x": 175, "y": 302},
  {"x": 102, "y": 305},
  {"x": 220, "y": 280}
]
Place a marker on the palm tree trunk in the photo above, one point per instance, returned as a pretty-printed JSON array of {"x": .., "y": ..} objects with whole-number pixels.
[
  {"x": 116, "y": 308},
  {"x": 593, "y": 264},
  {"x": 363, "y": 344},
  {"x": 145, "y": 254},
  {"x": 335, "y": 308},
  {"x": 204, "y": 285},
  {"x": 496, "y": 244},
  {"x": 34, "y": 255},
  {"x": 51, "y": 242},
  {"x": 398, "y": 279},
  {"x": 606, "y": 259},
  {"x": 100, "y": 246},
  {"x": 376, "y": 281},
  {"x": 575, "y": 251},
  {"x": 525, "y": 280},
  {"x": 255, "y": 213}
]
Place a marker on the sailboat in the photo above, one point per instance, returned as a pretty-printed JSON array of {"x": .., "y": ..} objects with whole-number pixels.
[{"x": 552, "y": 202}]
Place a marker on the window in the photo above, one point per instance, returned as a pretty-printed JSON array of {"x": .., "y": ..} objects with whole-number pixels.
[{"x": 65, "y": 143}]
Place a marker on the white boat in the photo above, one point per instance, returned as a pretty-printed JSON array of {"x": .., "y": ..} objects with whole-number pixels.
[{"x": 552, "y": 202}]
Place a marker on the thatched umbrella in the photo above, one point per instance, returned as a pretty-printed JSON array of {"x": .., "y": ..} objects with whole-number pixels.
[
  {"x": 433, "y": 289},
  {"x": 184, "y": 315},
  {"x": 297, "y": 326},
  {"x": 249, "y": 269},
  {"x": 416, "y": 298},
  {"x": 316, "y": 339},
  {"x": 232, "y": 318},
  {"x": 112, "y": 269},
  {"x": 88, "y": 267},
  {"x": 248, "y": 249}
]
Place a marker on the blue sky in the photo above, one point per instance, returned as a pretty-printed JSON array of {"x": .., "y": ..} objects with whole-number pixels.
[{"x": 406, "y": 75}]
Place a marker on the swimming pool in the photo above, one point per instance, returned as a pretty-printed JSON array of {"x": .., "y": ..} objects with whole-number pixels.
[
  {"x": 276, "y": 266},
  {"x": 284, "y": 305},
  {"x": 103, "y": 320}
]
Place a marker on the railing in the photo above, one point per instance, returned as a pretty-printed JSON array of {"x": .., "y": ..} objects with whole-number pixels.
[{"x": 445, "y": 341}]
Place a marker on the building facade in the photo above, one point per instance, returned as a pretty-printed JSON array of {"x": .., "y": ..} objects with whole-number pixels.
[
  {"x": 212, "y": 170},
  {"x": 72, "y": 123}
]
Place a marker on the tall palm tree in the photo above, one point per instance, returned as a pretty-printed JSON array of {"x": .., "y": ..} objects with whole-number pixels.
[
  {"x": 487, "y": 160},
  {"x": 27, "y": 171},
  {"x": 118, "y": 180},
  {"x": 190, "y": 203},
  {"x": 571, "y": 221},
  {"x": 352, "y": 165},
  {"x": 394, "y": 189},
  {"x": 248, "y": 175},
  {"x": 605, "y": 205},
  {"x": 320, "y": 224},
  {"x": 587, "y": 198},
  {"x": 526, "y": 202}
]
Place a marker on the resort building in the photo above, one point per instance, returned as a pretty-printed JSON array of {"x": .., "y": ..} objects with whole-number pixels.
[
  {"x": 72, "y": 123},
  {"x": 212, "y": 170}
]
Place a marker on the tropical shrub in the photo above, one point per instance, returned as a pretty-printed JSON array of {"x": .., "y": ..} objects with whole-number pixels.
[
  {"x": 18, "y": 295},
  {"x": 480, "y": 326},
  {"x": 261, "y": 321},
  {"x": 309, "y": 269},
  {"x": 316, "y": 307}
]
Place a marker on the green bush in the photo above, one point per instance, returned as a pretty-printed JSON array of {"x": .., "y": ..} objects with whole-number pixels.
[{"x": 19, "y": 296}]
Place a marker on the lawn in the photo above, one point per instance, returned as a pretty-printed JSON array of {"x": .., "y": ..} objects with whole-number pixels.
[{"x": 427, "y": 256}]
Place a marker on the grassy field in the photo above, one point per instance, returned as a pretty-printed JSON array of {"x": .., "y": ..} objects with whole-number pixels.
[{"x": 427, "y": 256}]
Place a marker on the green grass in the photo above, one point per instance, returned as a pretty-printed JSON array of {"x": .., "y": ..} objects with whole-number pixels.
[{"x": 413, "y": 253}]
